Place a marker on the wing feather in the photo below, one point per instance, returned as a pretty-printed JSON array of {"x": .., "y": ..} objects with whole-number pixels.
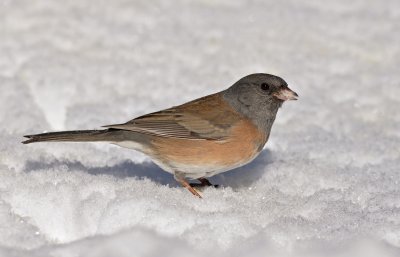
[{"x": 188, "y": 121}]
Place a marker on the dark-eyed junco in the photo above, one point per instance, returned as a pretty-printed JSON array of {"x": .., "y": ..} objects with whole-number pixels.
[{"x": 200, "y": 138}]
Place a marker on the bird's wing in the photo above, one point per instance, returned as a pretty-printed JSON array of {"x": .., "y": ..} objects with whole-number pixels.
[{"x": 207, "y": 118}]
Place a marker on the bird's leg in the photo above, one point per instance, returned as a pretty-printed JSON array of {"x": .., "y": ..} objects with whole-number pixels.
[
  {"x": 180, "y": 178},
  {"x": 190, "y": 188}
]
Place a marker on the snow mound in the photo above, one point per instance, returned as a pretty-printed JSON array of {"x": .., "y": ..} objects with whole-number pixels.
[{"x": 327, "y": 183}]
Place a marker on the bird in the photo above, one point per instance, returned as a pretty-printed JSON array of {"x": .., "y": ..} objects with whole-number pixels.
[{"x": 200, "y": 138}]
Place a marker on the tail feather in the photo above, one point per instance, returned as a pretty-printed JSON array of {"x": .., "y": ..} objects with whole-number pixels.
[{"x": 70, "y": 136}]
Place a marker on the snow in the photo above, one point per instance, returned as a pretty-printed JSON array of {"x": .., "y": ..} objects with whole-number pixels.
[{"x": 327, "y": 183}]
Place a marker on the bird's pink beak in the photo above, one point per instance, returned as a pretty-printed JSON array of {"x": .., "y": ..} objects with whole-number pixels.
[{"x": 285, "y": 94}]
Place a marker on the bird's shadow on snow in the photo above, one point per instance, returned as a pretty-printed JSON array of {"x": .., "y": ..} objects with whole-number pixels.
[{"x": 236, "y": 178}]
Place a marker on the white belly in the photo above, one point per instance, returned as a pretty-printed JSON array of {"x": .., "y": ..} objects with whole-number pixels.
[{"x": 132, "y": 145}]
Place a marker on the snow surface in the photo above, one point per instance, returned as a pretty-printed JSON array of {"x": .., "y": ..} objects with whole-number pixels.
[{"x": 327, "y": 183}]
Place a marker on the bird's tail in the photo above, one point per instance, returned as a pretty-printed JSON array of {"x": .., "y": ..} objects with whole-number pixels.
[{"x": 72, "y": 136}]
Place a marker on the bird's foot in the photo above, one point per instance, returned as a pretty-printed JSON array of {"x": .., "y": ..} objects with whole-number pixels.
[{"x": 203, "y": 183}]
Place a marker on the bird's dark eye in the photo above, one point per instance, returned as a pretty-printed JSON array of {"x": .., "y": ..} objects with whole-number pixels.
[{"x": 265, "y": 86}]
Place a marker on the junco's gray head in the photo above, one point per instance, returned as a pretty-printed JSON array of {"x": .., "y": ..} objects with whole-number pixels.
[{"x": 259, "y": 96}]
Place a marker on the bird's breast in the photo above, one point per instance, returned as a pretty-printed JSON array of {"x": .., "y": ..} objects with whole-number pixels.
[{"x": 243, "y": 144}]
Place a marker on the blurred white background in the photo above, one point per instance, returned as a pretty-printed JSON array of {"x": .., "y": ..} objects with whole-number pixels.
[{"x": 327, "y": 183}]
